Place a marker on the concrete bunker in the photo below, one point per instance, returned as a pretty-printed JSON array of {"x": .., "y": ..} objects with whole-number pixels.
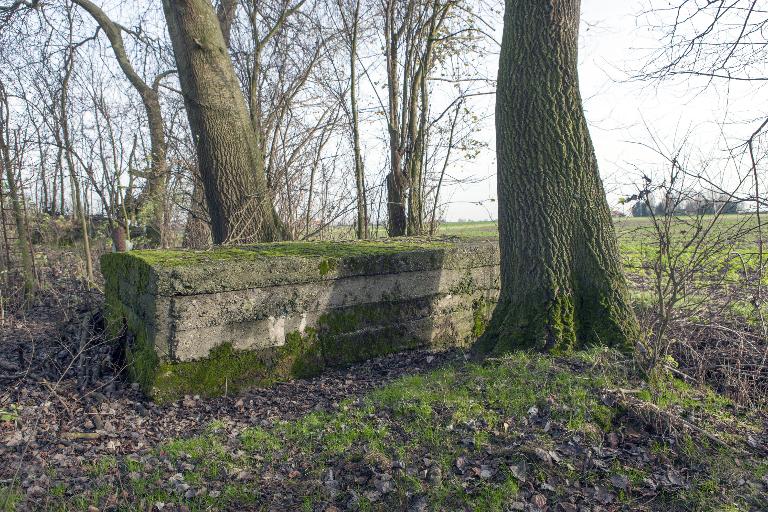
[{"x": 217, "y": 321}]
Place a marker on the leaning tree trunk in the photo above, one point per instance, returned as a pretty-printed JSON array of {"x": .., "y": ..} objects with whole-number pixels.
[
  {"x": 157, "y": 181},
  {"x": 231, "y": 168},
  {"x": 562, "y": 285}
]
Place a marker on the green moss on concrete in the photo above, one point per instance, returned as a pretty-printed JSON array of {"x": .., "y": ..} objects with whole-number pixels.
[
  {"x": 227, "y": 370},
  {"x": 303, "y": 353},
  {"x": 327, "y": 265},
  {"x": 121, "y": 323},
  {"x": 342, "y": 338},
  {"x": 135, "y": 280},
  {"x": 320, "y": 249},
  {"x": 142, "y": 361},
  {"x": 481, "y": 314},
  {"x": 466, "y": 285},
  {"x": 117, "y": 265}
]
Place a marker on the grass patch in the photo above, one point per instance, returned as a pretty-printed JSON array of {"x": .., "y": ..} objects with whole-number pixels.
[{"x": 449, "y": 437}]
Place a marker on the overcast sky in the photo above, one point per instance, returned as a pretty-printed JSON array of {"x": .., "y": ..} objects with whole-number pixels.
[{"x": 621, "y": 111}]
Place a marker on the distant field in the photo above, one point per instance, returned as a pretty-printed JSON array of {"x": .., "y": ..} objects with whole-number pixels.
[
  {"x": 736, "y": 236},
  {"x": 624, "y": 226}
]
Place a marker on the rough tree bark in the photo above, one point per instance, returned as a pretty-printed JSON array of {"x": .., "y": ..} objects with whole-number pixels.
[
  {"x": 562, "y": 285},
  {"x": 231, "y": 168}
]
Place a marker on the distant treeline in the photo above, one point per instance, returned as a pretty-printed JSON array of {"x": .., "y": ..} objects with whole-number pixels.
[{"x": 697, "y": 204}]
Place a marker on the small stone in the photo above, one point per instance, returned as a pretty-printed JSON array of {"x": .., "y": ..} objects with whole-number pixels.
[
  {"x": 543, "y": 455},
  {"x": 214, "y": 494},
  {"x": 486, "y": 472},
  {"x": 15, "y": 440},
  {"x": 93, "y": 508},
  {"x": 88, "y": 425},
  {"x": 533, "y": 411},
  {"x": 603, "y": 496},
  {"x": 517, "y": 505},
  {"x": 613, "y": 440}
]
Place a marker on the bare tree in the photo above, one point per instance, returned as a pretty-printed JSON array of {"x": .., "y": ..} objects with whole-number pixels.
[{"x": 16, "y": 198}]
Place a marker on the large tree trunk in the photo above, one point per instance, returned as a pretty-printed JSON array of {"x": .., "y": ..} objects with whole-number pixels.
[
  {"x": 228, "y": 153},
  {"x": 562, "y": 285}
]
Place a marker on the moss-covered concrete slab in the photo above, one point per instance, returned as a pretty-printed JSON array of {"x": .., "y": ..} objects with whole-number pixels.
[{"x": 208, "y": 321}]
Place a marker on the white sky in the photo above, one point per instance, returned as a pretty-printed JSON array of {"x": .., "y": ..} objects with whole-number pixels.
[{"x": 621, "y": 112}]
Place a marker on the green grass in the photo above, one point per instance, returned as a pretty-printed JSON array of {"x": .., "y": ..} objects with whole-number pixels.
[
  {"x": 464, "y": 410},
  {"x": 9, "y": 498}
]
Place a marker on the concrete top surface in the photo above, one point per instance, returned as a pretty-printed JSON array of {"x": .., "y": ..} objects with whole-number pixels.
[{"x": 188, "y": 272}]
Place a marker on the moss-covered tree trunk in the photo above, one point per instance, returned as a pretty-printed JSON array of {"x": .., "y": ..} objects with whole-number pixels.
[
  {"x": 231, "y": 166},
  {"x": 562, "y": 285}
]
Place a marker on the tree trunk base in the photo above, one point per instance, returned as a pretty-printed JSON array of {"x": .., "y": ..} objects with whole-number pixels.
[{"x": 558, "y": 326}]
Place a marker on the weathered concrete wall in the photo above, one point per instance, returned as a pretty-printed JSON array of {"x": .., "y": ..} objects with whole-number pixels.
[{"x": 207, "y": 322}]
